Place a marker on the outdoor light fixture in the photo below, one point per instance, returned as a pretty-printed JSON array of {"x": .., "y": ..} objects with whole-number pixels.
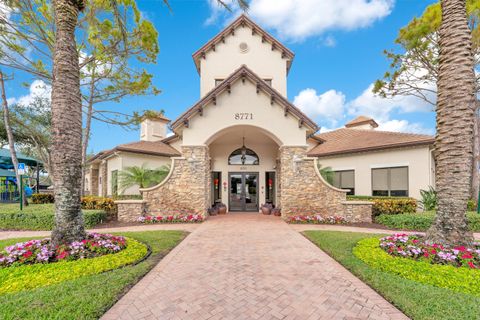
[{"x": 244, "y": 152}]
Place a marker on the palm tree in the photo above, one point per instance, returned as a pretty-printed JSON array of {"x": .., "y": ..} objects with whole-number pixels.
[
  {"x": 141, "y": 176},
  {"x": 66, "y": 125},
  {"x": 455, "y": 121},
  {"x": 327, "y": 174}
]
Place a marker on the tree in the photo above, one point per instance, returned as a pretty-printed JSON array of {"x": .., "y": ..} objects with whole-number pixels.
[
  {"x": 456, "y": 105},
  {"x": 11, "y": 141},
  {"x": 414, "y": 71},
  {"x": 327, "y": 174},
  {"x": 141, "y": 176}
]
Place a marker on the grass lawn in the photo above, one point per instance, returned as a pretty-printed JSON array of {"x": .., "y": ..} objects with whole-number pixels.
[
  {"x": 39, "y": 217},
  {"x": 416, "y": 300},
  {"x": 421, "y": 221},
  {"x": 87, "y": 297}
]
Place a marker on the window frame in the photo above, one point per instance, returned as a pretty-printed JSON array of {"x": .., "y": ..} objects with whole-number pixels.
[
  {"x": 352, "y": 193},
  {"x": 389, "y": 180},
  {"x": 243, "y": 164}
]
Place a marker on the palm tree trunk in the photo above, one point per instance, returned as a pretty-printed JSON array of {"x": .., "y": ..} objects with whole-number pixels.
[
  {"x": 476, "y": 157},
  {"x": 11, "y": 140},
  {"x": 88, "y": 127},
  {"x": 66, "y": 125},
  {"x": 456, "y": 105}
]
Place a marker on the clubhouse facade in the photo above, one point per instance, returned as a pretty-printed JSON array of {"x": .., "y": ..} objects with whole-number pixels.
[{"x": 244, "y": 144}]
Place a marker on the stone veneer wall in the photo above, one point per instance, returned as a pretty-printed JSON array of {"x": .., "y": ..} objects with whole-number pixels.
[
  {"x": 358, "y": 211},
  {"x": 186, "y": 189},
  {"x": 104, "y": 175},
  {"x": 129, "y": 210},
  {"x": 93, "y": 181}
]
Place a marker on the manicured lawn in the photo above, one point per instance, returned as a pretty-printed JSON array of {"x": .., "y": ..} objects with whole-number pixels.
[
  {"x": 87, "y": 297},
  {"x": 420, "y": 221},
  {"x": 39, "y": 217},
  {"x": 416, "y": 300}
]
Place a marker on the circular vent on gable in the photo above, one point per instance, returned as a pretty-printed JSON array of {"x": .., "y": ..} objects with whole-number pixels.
[{"x": 243, "y": 47}]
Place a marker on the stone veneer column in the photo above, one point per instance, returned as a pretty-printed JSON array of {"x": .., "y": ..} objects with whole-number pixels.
[
  {"x": 93, "y": 181},
  {"x": 301, "y": 190},
  {"x": 187, "y": 188},
  {"x": 104, "y": 175}
]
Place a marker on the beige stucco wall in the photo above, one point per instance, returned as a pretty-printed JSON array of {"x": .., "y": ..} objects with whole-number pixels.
[
  {"x": 260, "y": 58},
  {"x": 121, "y": 160},
  {"x": 418, "y": 160},
  {"x": 244, "y": 99}
]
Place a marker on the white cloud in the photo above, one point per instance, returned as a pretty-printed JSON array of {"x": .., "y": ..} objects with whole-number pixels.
[
  {"x": 330, "y": 41},
  {"x": 331, "y": 109},
  {"x": 329, "y": 106},
  {"x": 299, "y": 19},
  {"x": 38, "y": 89}
]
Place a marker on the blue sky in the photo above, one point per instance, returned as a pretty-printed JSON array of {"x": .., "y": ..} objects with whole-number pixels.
[{"x": 337, "y": 57}]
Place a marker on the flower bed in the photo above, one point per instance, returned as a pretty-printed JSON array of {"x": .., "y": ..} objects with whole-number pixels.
[
  {"x": 317, "y": 219},
  {"x": 191, "y": 218},
  {"x": 413, "y": 247},
  {"x": 19, "y": 277},
  {"x": 42, "y": 251},
  {"x": 423, "y": 271}
]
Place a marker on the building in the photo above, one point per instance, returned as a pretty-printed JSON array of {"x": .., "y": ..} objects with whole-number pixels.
[{"x": 243, "y": 143}]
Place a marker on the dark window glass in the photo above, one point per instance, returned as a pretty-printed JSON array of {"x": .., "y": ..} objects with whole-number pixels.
[
  {"x": 243, "y": 156},
  {"x": 114, "y": 182},
  {"x": 345, "y": 180},
  {"x": 391, "y": 182}
]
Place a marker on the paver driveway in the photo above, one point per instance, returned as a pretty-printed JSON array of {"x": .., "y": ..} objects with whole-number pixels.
[{"x": 249, "y": 266}]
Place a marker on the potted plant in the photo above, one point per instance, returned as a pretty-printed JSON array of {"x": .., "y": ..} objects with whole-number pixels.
[
  {"x": 266, "y": 208},
  {"x": 221, "y": 208},
  {"x": 276, "y": 212}
]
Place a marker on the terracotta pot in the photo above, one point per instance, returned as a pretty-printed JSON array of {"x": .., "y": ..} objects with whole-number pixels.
[
  {"x": 276, "y": 212},
  {"x": 222, "y": 209},
  {"x": 266, "y": 210}
]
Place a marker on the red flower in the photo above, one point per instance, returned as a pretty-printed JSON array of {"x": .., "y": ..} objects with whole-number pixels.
[
  {"x": 471, "y": 265},
  {"x": 415, "y": 240},
  {"x": 27, "y": 254},
  {"x": 467, "y": 255},
  {"x": 434, "y": 251},
  {"x": 425, "y": 254},
  {"x": 62, "y": 255},
  {"x": 461, "y": 248}
]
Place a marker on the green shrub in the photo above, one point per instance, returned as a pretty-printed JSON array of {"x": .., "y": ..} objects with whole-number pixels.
[
  {"x": 98, "y": 203},
  {"x": 420, "y": 221},
  {"x": 39, "y": 198},
  {"x": 429, "y": 199},
  {"x": 471, "y": 205},
  {"x": 28, "y": 277},
  {"x": 44, "y": 220},
  {"x": 127, "y": 197},
  {"x": 456, "y": 279},
  {"x": 388, "y": 205}
]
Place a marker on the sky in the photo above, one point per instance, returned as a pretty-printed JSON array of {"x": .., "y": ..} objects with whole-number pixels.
[{"x": 338, "y": 46}]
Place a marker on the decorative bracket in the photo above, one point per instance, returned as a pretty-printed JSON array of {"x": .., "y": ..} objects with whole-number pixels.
[
  {"x": 186, "y": 123},
  {"x": 214, "y": 99},
  {"x": 200, "y": 111}
]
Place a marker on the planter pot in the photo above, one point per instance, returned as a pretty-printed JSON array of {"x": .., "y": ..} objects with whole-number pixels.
[
  {"x": 266, "y": 210},
  {"x": 222, "y": 209},
  {"x": 276, "y": 212}
]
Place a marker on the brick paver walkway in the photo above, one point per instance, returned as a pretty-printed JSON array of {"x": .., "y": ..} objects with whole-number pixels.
[{"x": 248, "y": 266}]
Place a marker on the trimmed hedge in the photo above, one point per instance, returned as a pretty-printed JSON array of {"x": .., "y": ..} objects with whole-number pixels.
[
  {"x": 456, "y": 279},
  {"x": 88, "y": 202},
  {"x": 389, "y": 205},
  {"x": 27, "y": 277},
  {"x": 44, "y": 220},
  {"x": 421, "y": 221}
]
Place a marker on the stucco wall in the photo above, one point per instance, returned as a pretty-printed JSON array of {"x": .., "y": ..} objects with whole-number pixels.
[
  {"x": 226, "y": 58},
  {"x": 244, "y": 99},
  {"x": 418, "y": 160}
]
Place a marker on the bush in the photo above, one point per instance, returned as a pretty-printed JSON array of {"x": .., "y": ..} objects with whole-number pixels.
[
  {"x": 127, "y": 197},
  {"x": 98, "y": 203},
  {"x": 40, "y": 198},
  {"x": 27, "y": 277},
  {"x": 44, "y": 220},
  {"x": 444, "y": 276},
  {"x": 420, "y": 221},
  {"x": 429, "y": 199},
  {"x": 471, "y": 205},
  {"x": 388, "y": 205}
]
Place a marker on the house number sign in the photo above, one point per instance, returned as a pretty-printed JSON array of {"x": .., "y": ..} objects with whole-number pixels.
[{"x": 243, "y": 116}]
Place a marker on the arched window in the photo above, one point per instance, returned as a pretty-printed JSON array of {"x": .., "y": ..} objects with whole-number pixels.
[{"x": 243, "y": 156}]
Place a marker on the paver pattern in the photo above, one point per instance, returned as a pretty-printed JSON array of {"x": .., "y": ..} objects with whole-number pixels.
[{"x": 249, "y": 266}]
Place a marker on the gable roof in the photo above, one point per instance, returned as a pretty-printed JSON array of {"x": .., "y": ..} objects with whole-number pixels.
[
  {"x": 344, "y": 141},
  {"x": 360, "y": 120},
  {"x": 243, "y": 73},
  {"x": 242, "y": 20},
  {"x": 155, "y": 148}
]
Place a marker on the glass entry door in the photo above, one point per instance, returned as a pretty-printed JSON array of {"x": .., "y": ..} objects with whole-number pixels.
[{"x": 243, "y": 193}]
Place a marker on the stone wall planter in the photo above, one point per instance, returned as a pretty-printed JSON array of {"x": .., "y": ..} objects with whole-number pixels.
[
  {"x": 130, "y": 210},
  {"x": 358, "y": 211}
]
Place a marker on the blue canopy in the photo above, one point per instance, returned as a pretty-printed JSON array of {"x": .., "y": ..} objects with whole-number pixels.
[{"x": 6, "y": 159}]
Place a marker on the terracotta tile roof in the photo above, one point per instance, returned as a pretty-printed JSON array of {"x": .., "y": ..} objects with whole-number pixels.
[
  {"x": 244, "y": 73},
  {"x": 343, "y": 141},
  {"x": 361, "y": 120},
  {"x": 230, "y": 29},
  {"x": 155, "y": 148}
]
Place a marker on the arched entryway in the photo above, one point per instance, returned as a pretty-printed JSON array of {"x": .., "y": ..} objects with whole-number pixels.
[{"x": 244, "y": 167}]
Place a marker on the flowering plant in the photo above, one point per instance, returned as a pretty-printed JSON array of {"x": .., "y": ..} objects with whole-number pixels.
[
  {"x": 317, "y": 219},
  {"x": 190, "y": 218},
  {"x": 43, "y": 251},
  {"x": 414, "y": 247}
]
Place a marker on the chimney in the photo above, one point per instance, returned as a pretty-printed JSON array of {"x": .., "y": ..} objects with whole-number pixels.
[
  {"x": 154, "y": 128},
  {"x": 362, "y": 122}
]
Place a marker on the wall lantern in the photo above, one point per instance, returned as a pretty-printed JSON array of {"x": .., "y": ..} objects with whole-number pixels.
[
  {"x": 270, "y": 184},
  {"x": 225, "y": 186},
  {"x": 215, "y": 183}
]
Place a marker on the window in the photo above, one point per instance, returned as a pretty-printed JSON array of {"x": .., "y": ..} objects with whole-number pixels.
[
  {"x": 345, "y": 180},
  {"x": 390, "y": 182},
  {"x": 268, "y": 81},
  {"x": 243, "y": 156},
  {"x": 114, "y": 182},
  {"x": 218, "y": 81}
]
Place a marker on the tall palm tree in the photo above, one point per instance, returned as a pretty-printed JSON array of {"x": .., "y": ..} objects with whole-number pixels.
[
  {"x": 455, "y": 120},
  {"x": 66, "y": 125},
  {"x": 141, "y": 176}
]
